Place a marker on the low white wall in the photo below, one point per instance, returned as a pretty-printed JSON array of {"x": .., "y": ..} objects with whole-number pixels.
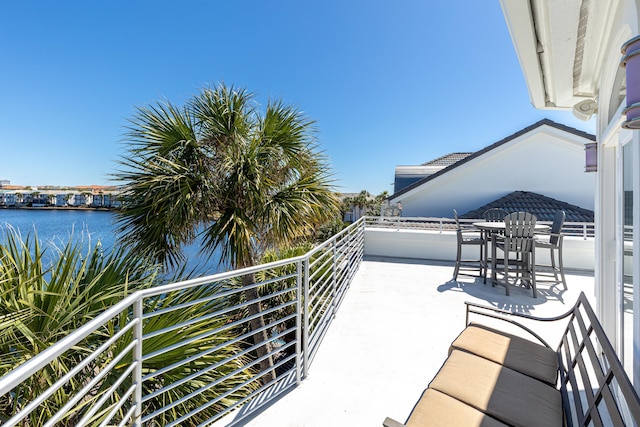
[{"x": 578, "y": 253}]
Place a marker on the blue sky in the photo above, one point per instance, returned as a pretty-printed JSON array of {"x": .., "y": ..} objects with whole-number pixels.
[{"x": 388, "y": 82}]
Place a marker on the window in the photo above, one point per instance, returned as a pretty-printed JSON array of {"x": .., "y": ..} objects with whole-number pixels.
[{"x": 627, "y": 289}]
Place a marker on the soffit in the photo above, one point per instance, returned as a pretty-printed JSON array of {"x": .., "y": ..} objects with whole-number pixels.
[{"x": 560, "y": 57}]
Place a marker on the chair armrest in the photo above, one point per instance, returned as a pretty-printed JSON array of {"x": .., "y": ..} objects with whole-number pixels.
[
  {"x": 389, "y": 422},
  {"x": 547, "y": 237},
  {"x": 547, "y": 233},
  {"x": 470, "y": 231},
  {"x": 507, "y": 316},
  {"x": 473, "y": 307}
]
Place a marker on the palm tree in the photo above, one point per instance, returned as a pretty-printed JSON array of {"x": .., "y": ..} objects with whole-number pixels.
[
  {"x": 218, "y": 168},
  {"x": 42, "y": 301}
]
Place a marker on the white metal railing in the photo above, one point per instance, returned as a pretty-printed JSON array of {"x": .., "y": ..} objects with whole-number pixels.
[
  {"x": 582, "y": 229},
  {"x": 188, "y": 353}
]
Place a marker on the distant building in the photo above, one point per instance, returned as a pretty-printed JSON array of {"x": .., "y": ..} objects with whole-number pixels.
[
  {"x": 7, "y": 198},
  {"x": 546, "y": 158},
  {"x": 87, "y": 196},
  {"x": 407, "y": 175}
]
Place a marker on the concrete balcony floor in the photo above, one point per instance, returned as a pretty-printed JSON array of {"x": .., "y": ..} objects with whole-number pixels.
[{"x": 390, "y": 337}]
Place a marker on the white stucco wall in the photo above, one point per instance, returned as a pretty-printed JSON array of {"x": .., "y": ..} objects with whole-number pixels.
[
  {"x": 546, "y": 160},
  {"x": 578, "y": 253}
]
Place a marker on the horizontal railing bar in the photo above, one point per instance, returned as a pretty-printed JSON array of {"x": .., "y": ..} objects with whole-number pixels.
[
  {"x": 277, "y": 279},
  {"x": 318, "y": 310},
  {"x": 221, "y": 295},
  {"x": 248, "y": 397},
  {"x": 219, "y": 398},
  {"x": 85, "y": 390},
  {"x": 322, "y": 299},
  {"x": 214, "y": 366},
  {"x": 24, "y": 371},
  {"x": 214, "y": 349},
  {"x": 207, "y": 334},
  {"x": 75, "y": 370},
  {"x": 159, "y": 290},
  {"x": 318, "y": 335},
  {"x": 321, "y": 281},
  {"x": 127, "y": 416},
  {"x": 321, "y": 293},
  {"x": 319, "y": 320},
  {"x": 319, "y": 258},
  {"x": 318, "y": 269},
  {"x": 105, "y": 396},
  {"x": 216, "y": 314},
  {"x": 81, "y": 394},
  {"x": 572, "y": 228},
  {"x": 216, "y": 296},
  {"x": 120, "y": 404},
  {"x": 323, "y": 267},
  {"x": 211, "y": 384}
]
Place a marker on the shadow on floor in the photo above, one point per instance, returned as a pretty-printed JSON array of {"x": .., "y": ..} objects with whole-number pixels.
[{"x": 520, "y": 300}]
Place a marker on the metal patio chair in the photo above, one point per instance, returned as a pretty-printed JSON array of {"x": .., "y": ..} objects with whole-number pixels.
[
  {"x": 494, "y": 214},
  {"x": 553, "y": 243},
  {"x": 468, "y": 237},
  {"x": 491, "y": 215},
  {"x": 517, "y": 244}
]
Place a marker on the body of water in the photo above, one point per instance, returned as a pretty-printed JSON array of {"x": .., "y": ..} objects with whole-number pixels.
[{"x": 57, "y": 226}]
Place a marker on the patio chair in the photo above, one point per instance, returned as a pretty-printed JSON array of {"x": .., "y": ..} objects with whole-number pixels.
[
  {"x": 517, "y": 244},
  {"x": 494, "y": 215},
  {"x": 554, "y": 243},
  {"x": 468, "y": 237},
  {"x": 491, "y": 215}
]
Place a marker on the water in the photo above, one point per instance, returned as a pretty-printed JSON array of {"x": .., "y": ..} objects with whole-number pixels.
[{"x": 57, "y": 226}]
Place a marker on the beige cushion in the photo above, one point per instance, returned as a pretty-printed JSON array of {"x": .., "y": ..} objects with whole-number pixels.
[
  {"x": 503, "y": 393},
  {"x": 519, "y": 354},
  {"x": 437, "y": 409}
]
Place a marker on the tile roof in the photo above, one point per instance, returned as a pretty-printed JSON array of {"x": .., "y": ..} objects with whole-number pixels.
[
  {"x": 543, "y": 207},
  {"x": 447, "y": 159},
  {"x": 493, "y": 146}
]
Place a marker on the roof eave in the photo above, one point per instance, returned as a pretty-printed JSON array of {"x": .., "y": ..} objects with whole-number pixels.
[{"x": 519, "y": 19}]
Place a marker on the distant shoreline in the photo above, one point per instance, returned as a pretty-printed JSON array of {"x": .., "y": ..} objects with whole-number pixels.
[{"x": 60, "y": 208}]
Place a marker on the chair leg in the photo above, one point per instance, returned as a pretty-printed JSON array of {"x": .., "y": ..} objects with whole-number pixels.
[
  {"x": 552, "y": 254},
  {"x": 493, "y": 264},
  {"x": 506, "y": 271},
  {"x": 564, "y": 282},
  {"x": 485, "y": 249},
  {"x": 485, "y": 261},
  {"x": 532, "y": 272},
  {"x": 456, "y": 270}
]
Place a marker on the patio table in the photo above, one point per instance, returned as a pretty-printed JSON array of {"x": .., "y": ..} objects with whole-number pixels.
[{"x": 491, "y": 229}]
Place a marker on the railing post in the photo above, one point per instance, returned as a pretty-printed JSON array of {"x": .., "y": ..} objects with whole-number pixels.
[
  {"x": 137, "y": 359},
  {"x": 584, "y": 231},
  {"x": 334, "y": 273},
  {"x": 441, "y": 225},
  {"x": 299, "y": 324},
  {"x": 305, "y": 310},
  {"x": 362, "y": 235}
]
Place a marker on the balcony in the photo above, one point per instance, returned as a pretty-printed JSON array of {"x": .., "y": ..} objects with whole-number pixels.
[
  {"x": 352, "y": 337},
  {"x": 391, "y": 336}
]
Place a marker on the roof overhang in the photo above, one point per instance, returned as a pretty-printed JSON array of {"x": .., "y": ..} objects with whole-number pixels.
[{"x": 559, "y": 46}]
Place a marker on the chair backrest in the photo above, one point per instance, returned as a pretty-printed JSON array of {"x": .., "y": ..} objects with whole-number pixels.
[
  {"x": 519, "y": 224},
  {"x": 494, "y": 215},
  {"x": 556, "y": 227},
  {"x": 455, "y": 216}
]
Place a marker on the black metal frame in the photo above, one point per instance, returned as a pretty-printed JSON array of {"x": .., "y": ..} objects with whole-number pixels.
[{"x": 589, "y": 367}]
